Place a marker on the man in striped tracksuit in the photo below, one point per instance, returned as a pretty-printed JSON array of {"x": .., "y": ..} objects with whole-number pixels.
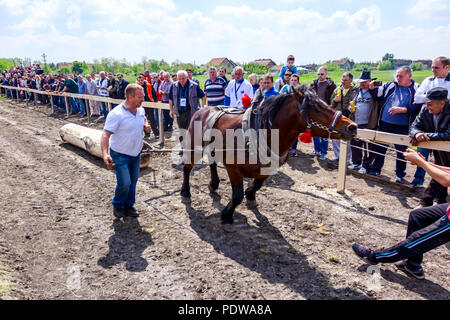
[{"x": 428, "y": 228}]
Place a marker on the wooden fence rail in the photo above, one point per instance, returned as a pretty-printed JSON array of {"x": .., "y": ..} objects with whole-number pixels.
[
  {"x": 155, "y": 105},
  {"x": 372, "y": 135},
  {"x": 381, "y": 137}
]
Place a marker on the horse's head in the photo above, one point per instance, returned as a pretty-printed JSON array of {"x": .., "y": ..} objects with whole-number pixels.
[{"x": 322, "y": 119}]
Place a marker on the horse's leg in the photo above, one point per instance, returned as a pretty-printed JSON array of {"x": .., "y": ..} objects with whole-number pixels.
[
  {"x": 251, "y": 191},
  {"x": 237, "y": 186},
  {"x": 214, "y": 183},
  {"x": 185, "y": 189}
]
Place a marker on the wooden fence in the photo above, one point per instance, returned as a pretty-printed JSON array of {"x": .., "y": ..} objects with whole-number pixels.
[
  {"x": 381, "y": 137},
  {"x": 371, "y": 135},
  {"x": 155, "y": 105}
]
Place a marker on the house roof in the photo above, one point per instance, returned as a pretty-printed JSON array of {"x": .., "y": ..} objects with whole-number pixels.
[
  {"x": 277, "y": 67},
  {"x": 264, "y": 61},
  {"x": 402, "y": 62},
  {"x": 340, "y": 62},
  {"x": 218, "y": 61}
]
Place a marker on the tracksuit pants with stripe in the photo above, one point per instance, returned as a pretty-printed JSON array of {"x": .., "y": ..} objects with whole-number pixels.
[{"x": 428, "y": 228}]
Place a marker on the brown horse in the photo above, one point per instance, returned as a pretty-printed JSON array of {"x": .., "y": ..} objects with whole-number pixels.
[{"x": 291, "y": 114}]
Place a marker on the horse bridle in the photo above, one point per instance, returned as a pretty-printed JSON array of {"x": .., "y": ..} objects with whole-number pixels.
[{"x": 310, "y": 122}]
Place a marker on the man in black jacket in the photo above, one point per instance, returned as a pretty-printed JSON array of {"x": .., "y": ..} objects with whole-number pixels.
[
  {"x": 433, "y": 124},
  {"x": 324, "y": 87}
]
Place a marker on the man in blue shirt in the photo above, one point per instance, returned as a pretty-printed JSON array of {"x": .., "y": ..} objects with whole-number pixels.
[
  {"x": 289, "y": 66},
  {"x": 267, "y": 89},
  {"x": 397, "y": 112},
  {"x": 81, "y": 90}
]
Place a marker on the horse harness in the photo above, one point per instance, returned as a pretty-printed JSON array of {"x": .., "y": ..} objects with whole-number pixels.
[{"x": 310, "y": 122}]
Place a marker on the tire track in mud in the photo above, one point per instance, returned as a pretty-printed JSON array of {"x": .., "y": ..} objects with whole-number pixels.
[
  {"x": 67, "y": 216},
  {"x": 274, "y": 252}
]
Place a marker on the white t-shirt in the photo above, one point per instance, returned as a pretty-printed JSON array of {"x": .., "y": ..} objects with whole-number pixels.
[
  {"x": 127, "y": 130},
  {"x": 237, "y": 90},
  {"x": 428, "y": 84}
]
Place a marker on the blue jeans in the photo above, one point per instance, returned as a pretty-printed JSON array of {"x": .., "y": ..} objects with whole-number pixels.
[
  {"x": 127, "y": 173},
  {"x": 419, "y": 176},
  {"x": 73, "y": 105},
  {"x": 320, "y": 145},
  {"x": 400, "y": 166},
  {"x": 80, "y": 105},
  {"x": 104, "y": 108}
]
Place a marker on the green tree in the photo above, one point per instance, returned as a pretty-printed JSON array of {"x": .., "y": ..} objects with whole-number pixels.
[
  {"x": 386, "y": 65},
  {"x": 416, "y": 66},
  {"x": 65, "y": 70},
  {"x": 255, "y": 68},
  {"x": 80, "y": 67},
  {"x": 388, "y": 57},
  {"x": 5, "y": 64},
  {"x": 332, "y": 66}
]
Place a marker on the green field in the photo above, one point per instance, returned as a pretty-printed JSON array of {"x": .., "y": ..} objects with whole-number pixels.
[{"x": 385, "y": 76}]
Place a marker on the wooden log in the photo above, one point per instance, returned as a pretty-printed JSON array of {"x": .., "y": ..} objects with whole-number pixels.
[{"x": 90, "y": 140}]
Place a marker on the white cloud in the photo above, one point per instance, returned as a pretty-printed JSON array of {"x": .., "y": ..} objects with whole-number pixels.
[
  {"x": 429, "y": 8},
  {"x": 152, "y": 28}
]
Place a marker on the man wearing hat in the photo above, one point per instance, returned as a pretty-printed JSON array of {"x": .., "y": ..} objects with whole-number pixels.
[
  {"x": 432, "y": 124},
  {"x": 361, "y": 109},
  {"x": 440, "y": 78}
]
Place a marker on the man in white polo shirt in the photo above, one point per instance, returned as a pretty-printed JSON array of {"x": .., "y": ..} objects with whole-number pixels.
[{"x": 123, "y": 137}]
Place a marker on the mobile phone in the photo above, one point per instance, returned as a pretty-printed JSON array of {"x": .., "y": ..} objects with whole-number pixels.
[{"x": 378, "y": 83}]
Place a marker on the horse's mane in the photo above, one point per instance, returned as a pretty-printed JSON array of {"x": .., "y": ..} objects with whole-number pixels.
[{"x": 270, "y": 106}]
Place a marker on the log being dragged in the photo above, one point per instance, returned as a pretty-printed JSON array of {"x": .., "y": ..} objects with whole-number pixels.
[{"x": 89, "y": 139}]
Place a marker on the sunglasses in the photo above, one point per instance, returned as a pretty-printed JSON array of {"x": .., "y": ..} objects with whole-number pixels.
[
  {"x": 288, "y": 74},
  {"x": 321, "y": 74}
]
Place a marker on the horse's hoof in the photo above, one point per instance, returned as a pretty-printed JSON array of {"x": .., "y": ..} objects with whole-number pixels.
[
  {"x": 251, "y": 204},
  {"x": 185, "y": 199}
]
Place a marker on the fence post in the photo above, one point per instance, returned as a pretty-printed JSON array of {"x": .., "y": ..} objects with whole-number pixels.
[
  {"x": 342, "y": 171},
  {"x": 18, "y": 94},
  {"x": 50, "y": 96},
  {"x": 88, "y": 110},
  {"x": 161, "y": 127},
  {"x": 67, "y": 106}
]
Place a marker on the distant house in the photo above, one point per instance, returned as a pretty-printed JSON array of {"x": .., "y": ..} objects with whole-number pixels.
[
  {"x": 275, "y": 70},
  {"x": 309, "y": 67},
  {"x": 222, "y": 62},
  {"x": 345, "y": 64},
  {"x": 64, "y": 64},
  {"x": 402, "y": 63},
  {"x": 426, "y": 63},
  {"x": 265, "y": 62}
]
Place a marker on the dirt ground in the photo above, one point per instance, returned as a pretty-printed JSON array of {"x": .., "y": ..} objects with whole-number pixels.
[{"x": 59, "y": 239}]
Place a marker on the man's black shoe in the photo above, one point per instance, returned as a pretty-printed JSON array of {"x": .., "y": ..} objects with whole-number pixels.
[
  {"x": 131, "y": 212},
  {"x": 119, "y": 212},
  {"x": 364, "y": 254},
  {"x": 416, "y": 273}
]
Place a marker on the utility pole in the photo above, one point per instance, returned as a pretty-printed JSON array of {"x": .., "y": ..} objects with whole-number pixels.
[{"x": 44, "y": 56}]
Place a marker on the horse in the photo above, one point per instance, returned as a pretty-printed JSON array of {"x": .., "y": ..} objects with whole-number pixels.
[{"x": 293, "y": 113}]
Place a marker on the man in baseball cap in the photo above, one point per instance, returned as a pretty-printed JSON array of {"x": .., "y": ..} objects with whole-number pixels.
[{"x": 432, "y": 124}]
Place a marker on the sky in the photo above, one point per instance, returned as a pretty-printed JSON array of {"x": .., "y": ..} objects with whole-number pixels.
[{"x": 314, "y": 31}]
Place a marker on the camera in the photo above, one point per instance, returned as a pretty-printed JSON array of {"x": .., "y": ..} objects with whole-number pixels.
[{"x": 377, "y": 83}]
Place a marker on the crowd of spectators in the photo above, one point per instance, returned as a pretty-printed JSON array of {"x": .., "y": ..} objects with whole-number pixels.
[{"x": 390, "y": 107}]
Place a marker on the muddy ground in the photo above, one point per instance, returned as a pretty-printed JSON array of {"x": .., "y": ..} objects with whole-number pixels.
[{"x": 59, "y": 240}]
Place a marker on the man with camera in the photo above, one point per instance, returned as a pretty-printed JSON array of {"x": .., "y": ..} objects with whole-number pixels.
[{"x": 398, "y": 110}]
